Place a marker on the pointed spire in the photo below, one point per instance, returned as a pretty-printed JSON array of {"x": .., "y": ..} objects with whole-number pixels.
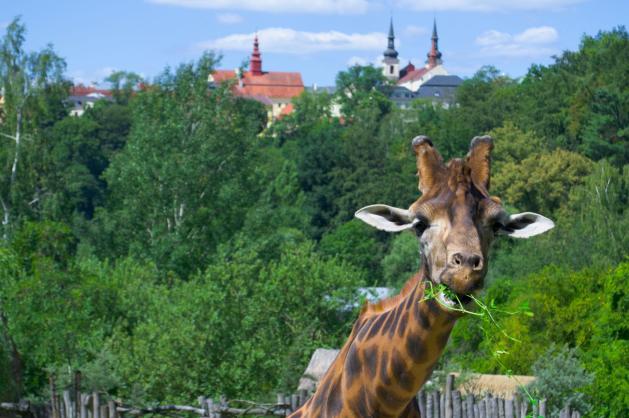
[
  {"x": 434, "y": 56},
  {"x": 255, "y": 63},
  {"x": 390, "y": 52}
]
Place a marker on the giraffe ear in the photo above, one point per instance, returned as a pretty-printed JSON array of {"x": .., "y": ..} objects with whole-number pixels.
[
  {"x": 386, "y": 218},
  {"x": 430, "y": 166},
  {"x": 479, "y": 162},
  {"x": 525, "y": 225}
]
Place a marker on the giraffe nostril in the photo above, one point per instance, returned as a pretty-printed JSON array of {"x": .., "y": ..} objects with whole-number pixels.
[
  {"x": 476, "y": 262},
  {"x": 457, "y": 259}
]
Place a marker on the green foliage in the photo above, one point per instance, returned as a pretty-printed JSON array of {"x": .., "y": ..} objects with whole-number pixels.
[
  {"x": 181, "y": 185},
  {"x": 560, "y": 378},
  {"x": 350, "y": 242},
  {"x": 260, "y": 323},
  {"x": 402, "y": 260}
]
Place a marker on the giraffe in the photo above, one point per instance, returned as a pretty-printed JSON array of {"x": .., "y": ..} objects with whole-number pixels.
[{"x": 395, "y": 343}]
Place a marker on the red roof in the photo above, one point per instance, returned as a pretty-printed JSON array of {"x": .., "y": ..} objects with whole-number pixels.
[
  {"x": 413, "y": 75},
  {"x": 81, "y": 90},
  {"x": 287, "y": 110},
  {"x": 273, "y": 84}
]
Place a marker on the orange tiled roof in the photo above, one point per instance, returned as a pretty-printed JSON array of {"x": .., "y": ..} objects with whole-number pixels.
[
  {"x": 273, "y": 84},
  {"x": 81, "y": 90},
  {"x": 413, "y": 75}
]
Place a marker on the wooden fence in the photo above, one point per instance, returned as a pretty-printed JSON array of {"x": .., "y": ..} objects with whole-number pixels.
[{"x": 436, "y": 404}]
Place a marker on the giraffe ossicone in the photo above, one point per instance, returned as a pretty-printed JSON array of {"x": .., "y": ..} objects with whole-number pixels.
[{"x": 395, "y": 343}]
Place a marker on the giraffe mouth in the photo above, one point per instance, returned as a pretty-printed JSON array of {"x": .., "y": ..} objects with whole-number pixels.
[{"x": 452, "y": 299}]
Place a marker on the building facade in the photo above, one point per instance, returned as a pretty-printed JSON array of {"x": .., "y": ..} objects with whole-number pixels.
[{"x": 274, "y": 89}]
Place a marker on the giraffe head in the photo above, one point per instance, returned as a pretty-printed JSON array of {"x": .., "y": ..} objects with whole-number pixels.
[{"x": 455, "y": 218}]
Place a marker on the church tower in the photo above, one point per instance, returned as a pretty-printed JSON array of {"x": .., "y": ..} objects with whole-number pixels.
[
  {"x": 391, "y": 63},
  {"x": 255, "y": 63},
  {"x": 434, "y": 56}
]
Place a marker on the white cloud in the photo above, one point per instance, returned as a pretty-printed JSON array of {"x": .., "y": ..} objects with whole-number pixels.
[
  {"x": 540, "y": 35},
  {"x": 485, "y": 5},
  {"x": 532, "y": 42},
  {"x": 276, "y": 6},
  {"x": 492, "y": 37},
  {"x": 413, "y": 30},
  {"x": 291, "y": 41},
  {"x": 229, "y": 18}
]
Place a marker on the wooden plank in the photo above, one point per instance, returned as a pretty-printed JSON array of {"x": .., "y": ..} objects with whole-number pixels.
[
  {"x": 96, "y": 405},
  {"x": 542, "y": 408},
  {"x": 477, "y": 410},
  {"x": 104, "y": 413},
  {"x": 83, "y": 403},
  {"x": 442, "y": 404},
  {"x": 68, "y": 404},
  {"x": 111, "y": 405},
  {"x": 429, "y": 406},
  {"x": 456, "y": 405},
  {"x": 436, "y": 405},
  {"x": 421, "y": 401},
  {"x": 482, "y": 408},
  {"x": 509, "y": 408},
  {"x": 447, "y": 407},
  {"x": 469, "y": 400},
  {"x": 524, "y": 406},
  {"x": 53, "y": 397}
]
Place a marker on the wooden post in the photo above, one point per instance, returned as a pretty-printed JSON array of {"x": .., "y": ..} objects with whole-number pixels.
[
  {"x": 448, "y": 396},
  {"x": 456, "y": 405},
  {"x": 436, "y": 406},
  {"x": 481, "y": 408},
  {"x": 53, "y": 396},
  {"x": 294, "y": 402},
  {"x": 96, "y": 405},
  {"x": 516, "y": 408},
  {"x": 111, "y": 405},
  {"x": 210, "y": 407},
  {"x": 421, "y": 400},
  {"x": 469, "y": 400},
  {"x": 477, "y": 411},
  {"x": 542, "y": 408},
  {"x": 104, "y": 413},
  {"x": 524, "y": 406},
  {"x": 83, "y": 401},
  {"x": 509, "y": 408},
  {"x": 501, "y": 408},
  {"x": 429, "y": 406},
  {"x": 442, "y": 405}
]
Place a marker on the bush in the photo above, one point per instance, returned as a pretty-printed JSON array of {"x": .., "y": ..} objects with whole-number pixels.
[{"x": 560, "y": 379}]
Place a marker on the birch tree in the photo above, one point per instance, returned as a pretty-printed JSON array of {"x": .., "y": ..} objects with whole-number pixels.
[{"x": 24, "y": 78}]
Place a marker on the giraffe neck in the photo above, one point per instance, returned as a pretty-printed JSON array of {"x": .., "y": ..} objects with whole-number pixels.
[{"x": 394, "y": 353}]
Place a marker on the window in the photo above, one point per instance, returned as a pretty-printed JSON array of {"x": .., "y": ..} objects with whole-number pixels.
[{"x": 391, "y": 69}]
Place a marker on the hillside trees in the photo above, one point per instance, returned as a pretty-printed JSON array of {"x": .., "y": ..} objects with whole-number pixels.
[{"x": 183, "y": 182}]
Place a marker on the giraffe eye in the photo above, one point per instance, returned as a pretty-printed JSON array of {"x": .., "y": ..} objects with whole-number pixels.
[{"x": 421, "y": 225}]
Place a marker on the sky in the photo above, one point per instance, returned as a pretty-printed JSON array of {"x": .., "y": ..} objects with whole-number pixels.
[{"x": 317, "y": 38}]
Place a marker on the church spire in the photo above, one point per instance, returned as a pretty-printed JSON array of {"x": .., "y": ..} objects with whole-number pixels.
[
  {"x": 434, "y": 56},
  {"x": 390, "y": 52},
  {"x": 255, "y": 63}
]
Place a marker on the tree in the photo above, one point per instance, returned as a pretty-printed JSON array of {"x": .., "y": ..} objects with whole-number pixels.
[
  {"x": 183, "y": 182},
  {"x": 123, "y": 85},
  {"x": 24, "y": 79},
  {"x": 560, "y": 378}
]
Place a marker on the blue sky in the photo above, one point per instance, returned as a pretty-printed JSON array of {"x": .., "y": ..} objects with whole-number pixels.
[{"x": 316, "y": 37}]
